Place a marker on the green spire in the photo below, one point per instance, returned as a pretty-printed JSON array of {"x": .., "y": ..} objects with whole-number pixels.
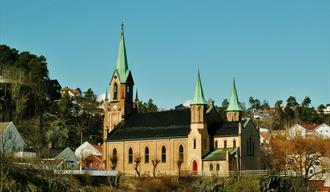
[
  {"x": 122, "y": 64},
  {"x": 234, "y": 103},
  {"x": 198, "y": 95}
]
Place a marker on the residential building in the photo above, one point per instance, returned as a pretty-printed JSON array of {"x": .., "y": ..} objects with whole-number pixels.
[
  {"x": 71, "y": 91},
  {"x": 323, "y": 130},
  {"x": 10, "y": 139},
  {"x": 64, "y": 160},
  {"x": 53, "y": 89},
  {"x": 310, "y": 129}
]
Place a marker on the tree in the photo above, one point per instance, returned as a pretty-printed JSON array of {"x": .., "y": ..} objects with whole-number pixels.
[
  {"x": 148, "y": 107},
  {"x": 114, "y": 160},
  {"x": 299, "y": 154},
  {"x": 292, "y": 102},
  {"x": 321, "y": 107},
  {"x": 155, "y": 162},
  {"x": 179, "y": 164},
  {"x": 265, "y": 105},
  {"x": 255, "y": 103},
  {"x": 306, "y": 102},
  {"x": 137, "y": 162}
]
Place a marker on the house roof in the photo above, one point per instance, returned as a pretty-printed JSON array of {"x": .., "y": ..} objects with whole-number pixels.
[
  {"x": 310, "y": 127},
  {"x": 3, "y": 126},
  {"x": 173, "y": 123},
  {"x": 98, "y": 147},
  {"x": 198, "y": 94},
  {"x": 95, "y": 158},
  {"x": 218, "y": 154},
  {"x": 67, "y": 154},
  {"x": 73, "y": 91}
]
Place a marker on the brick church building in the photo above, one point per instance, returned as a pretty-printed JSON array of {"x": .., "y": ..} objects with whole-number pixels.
[{"x": 195, "y": 136}]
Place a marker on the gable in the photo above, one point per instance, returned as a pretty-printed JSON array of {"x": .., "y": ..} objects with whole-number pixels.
[
  {"x": 250, "y": 129},
  {"x": 86, "y": 149},
  {"x": 11, "y": 137},
  {"x": 67, "y": 154}
]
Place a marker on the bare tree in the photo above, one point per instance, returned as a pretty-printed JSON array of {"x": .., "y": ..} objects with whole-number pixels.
[
  {"x": 114, "y": 181},
  {"x": 3, "y": 169},
  {"x": 300, "y": 155},
  {"x": 114, "y": 160},
  {"x": 154, "y": 164},
  {"x": 137, "y": 162},
  {"x": 179, "y": 164}
]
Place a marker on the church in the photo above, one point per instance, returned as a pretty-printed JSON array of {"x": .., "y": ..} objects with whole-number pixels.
[{"x": 193, "y": 140}]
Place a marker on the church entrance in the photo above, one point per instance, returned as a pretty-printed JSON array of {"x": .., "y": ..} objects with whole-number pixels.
[{"x": 195, "y": 167}]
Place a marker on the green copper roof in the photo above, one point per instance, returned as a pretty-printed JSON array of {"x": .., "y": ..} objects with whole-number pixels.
[
  {"x": 234, "y": 103},
  {"x": 218, "y": 154},
  {"x": 198, "y": 95},
  {"x": 122, "y": 64}
]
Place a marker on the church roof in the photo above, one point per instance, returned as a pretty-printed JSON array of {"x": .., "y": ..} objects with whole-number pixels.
[
  {"x": 228, "y": 128},
  {"x": 234, "y": 103},
  {"x": 173, "y": 123},
  {"x": 218, "y": 154},
  {"x": 121, "y": 63},
  {"x": 198, "y": 94}
]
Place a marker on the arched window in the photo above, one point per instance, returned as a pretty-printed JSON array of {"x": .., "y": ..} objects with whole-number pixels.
[
  {"x": 218, "y": 167},
  {"x": 114, "y": 153},
  {"x": 211, "y": 167},
  {"x": 194, "y": 143},
  {"x": 234, "y": 143},
  {"x": 181, "y": 153},
  {"x": 204, "y": 143},
  {"x": 225, "y": 144},
  {"x": 163, "y": 154},
  {"x": 115, "y": 91},
  {"x": 215, "y": 144},
  {"x": 127, "y": 89},
  {"x": 146, "y": 155},
  {"x": 130, "y": 155}
]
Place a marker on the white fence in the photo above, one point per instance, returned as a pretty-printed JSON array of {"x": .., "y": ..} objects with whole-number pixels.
[{"x": 202, "y": 173}]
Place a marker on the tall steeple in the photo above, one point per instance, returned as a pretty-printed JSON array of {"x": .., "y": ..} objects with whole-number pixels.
[
  {"x": 234, "y": 103},
  {"x": 121, "y": 63},
  {"x": 198, "y": 94},
  {"x": 121, "y": 86},
  {"x": 198, "y": 138},
  {"x": 234, "y": 108}
]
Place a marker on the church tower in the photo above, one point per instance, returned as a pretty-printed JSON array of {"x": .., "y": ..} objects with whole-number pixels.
[
  {"x": 198, "y": 138},
  {"x": 234, "y": 109},
  {"x": 120, "y": 104}
]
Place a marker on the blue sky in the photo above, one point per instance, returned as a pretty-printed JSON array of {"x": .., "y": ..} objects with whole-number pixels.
[{"x": 274, "y": 49}]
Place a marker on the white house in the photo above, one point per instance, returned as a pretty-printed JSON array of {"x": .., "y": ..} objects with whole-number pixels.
[
  {"x": 10, "y": 138},
  {"x": 86, "y": 149},
  {"x": 323, "y": 130},
  {"x": 302, "y": 130}
]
